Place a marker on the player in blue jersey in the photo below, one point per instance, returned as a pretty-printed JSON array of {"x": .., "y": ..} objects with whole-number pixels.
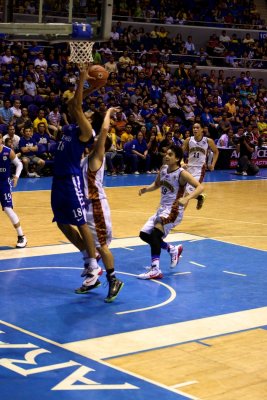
[
  {"x": 67, "y": 198},
  {"x": 8, "y": 157}
]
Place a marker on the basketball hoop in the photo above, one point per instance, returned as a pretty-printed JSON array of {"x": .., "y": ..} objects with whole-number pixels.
[{"x": 81, "y": 52}]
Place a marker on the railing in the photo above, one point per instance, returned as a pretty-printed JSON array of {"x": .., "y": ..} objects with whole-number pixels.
[
  {"x": 51, "y": 16},
  {"x": 188, "y": 60}
]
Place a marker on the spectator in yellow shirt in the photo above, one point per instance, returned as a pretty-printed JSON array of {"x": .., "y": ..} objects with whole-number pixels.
[
  {"x": 69, "y": 93},
  {"x": 40, "y": 119},
  {"x": 231, "y": 106},
  {"x": 262, "y": 126},
  {"x": 127, "y": 135}
]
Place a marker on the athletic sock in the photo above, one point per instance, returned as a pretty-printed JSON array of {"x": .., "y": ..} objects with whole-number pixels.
[{"x": 19, "y": 231}]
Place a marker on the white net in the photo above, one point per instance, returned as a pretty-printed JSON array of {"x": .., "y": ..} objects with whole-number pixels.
[{"x": 81, "y": 52}]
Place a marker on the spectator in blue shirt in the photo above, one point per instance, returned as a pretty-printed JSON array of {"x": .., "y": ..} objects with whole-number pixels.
[
  {"x": 6, "y": 85},
  {"x": 6, "y": 114},
  {"x": 140, "y": 156},
  {"x": 29, "y": 148}
]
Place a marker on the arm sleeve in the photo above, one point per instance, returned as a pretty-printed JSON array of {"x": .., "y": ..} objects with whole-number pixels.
[{"x": 18, "y": 165}]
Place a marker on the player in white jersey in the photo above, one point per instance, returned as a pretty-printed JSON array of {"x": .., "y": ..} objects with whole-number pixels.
[
  {"x": 196, "y": 147},
  {"x": 172, "y": 180},
  {"x": 97, "y": 209}
]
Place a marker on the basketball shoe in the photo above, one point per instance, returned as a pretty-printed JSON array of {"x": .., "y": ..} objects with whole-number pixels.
[
  {"x": 91, "y": 275},
  {"x": 200, "y": 201},
  {"x": 152, "y": 273},
  {"x": 22, "y": 242},
  {"x": 115, "y": 285},
  {"x": 85, "y": 289},
  {"x": 175, "y": 254}
]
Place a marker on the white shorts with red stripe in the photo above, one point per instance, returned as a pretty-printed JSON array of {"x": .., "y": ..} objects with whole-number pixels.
[
  {"x": 99, "y": 221},
  {"x": 169, "y": 217}
]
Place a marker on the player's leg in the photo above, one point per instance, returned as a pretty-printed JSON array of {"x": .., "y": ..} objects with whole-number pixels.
[
  {"x": 115, "y": 285},
  {"x": 198, "y": 174},
  {"x": 174, "y": 251},
  {"x": 7, "y": 206},
  {"x": 169, "y": 221},
  {"x": 22, "y": 240},
  {"x": 99, "y": 221},
  {"x": 154, "y": 241}
]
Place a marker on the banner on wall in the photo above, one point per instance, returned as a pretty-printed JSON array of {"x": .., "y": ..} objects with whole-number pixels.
[
  {"x": 259, "y": 157},
  {"x": 262, "y": 35}
]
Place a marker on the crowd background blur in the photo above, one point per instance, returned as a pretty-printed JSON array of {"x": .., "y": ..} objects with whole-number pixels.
[{"x": 170, "y": 64}]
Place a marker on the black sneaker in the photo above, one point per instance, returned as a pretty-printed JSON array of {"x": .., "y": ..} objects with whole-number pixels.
[
  {"x": 200, "y": 201},
  {"x": 22, "y": 242},
  {"x": 114, "y": 287},
  {"x": 85, "y": 289}
]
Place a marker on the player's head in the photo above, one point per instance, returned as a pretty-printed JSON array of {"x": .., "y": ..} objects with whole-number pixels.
[
  {"x": 96, "y": 119},
  {"x": 173, "y": 155},
  {"x": 198, "y": 131}
]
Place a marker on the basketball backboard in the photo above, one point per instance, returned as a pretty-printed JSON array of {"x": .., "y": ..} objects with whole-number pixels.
[{"x": 86, "y": 22}]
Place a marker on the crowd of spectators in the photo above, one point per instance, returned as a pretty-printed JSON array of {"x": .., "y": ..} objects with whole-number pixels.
[
  {"x": 158, "y": 105},
  {"x": 158, "y": 45},
  {"x": 230, "y": 13}
]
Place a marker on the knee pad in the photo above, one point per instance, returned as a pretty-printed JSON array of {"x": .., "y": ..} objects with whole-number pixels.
[
  {"x": 146, "y": 237},
  {"x": 155, "y": 242}
]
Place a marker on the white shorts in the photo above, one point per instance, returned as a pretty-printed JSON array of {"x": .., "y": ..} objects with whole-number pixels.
[
  {"x": 168, "y": 217},
  {"x": 99, "y": 221},
  {"x": 198, "y": 173}
]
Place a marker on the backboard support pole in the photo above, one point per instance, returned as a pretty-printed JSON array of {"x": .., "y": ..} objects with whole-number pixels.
[
  {"x": 70, "y": 11},
  {"x": 40, "y": 15},
  {"x": 8, "y": 11}
]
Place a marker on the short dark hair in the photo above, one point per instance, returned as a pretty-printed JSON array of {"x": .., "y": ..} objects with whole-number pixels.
[
  {"x": 97, "y": 121},
  {"x": 178, "y": 151}
]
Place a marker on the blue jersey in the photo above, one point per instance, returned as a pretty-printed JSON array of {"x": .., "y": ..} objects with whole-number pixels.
[
  {"x": 69, "y": 152},
  {"x": 41, "y": 139},
  {"x": 5, "y": 164},
  {"x": 27, "y": 143}
]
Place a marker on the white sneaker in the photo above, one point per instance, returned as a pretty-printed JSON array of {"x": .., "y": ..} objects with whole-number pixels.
[
  {"x": 175, "y": 255},
  {"x": 36, "y": 175},
  {"x": 153, "y": 273},
  {"x": 136, "y": 173},
  {"x": 92, "y": 276},
  {"x": 31, "y": 174},
  {"x": 22, "y": 242}
]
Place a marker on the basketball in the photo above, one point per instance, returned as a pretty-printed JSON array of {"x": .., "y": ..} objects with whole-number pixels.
[{"x": 100, "y": 73}]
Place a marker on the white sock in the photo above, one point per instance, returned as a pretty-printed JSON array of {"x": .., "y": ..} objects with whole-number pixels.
[
  {"x": 155, "y": 263},
  {"x": 19, "y": 231},
  {"x": 172, "y": 248},
  {"x": 92, "y": 263}
]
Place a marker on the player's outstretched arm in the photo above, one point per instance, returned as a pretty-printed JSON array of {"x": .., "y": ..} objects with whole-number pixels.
[
  {"x": 154, "y": 186},
  {"x": 215, "y": 151},
  {"x": 185, "y": 178},
  {"x": 101, "y": 140},
  {"x": 75, "y": 107},
  {"x": 18, "y": 164}
]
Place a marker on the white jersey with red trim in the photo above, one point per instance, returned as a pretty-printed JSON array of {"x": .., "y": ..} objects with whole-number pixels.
[
  {"x": 170, "y": 212},
  {"x": 93, "y": 181},
  {"x": 171, "y": 190},
  {"x": 197, "y": 152}
]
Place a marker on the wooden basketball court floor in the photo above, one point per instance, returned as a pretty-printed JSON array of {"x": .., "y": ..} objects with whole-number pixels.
[{"x": 199, "y": 333}]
